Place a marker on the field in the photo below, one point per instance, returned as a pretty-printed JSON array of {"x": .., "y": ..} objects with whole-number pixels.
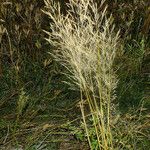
[{"x": 74, "y": 75}]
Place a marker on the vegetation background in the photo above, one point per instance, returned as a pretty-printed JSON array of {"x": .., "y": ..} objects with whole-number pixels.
[{"x": 37, "y": 110}]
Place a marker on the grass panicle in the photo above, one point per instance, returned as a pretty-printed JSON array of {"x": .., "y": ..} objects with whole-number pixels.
[{"x": 86, "y": 46}]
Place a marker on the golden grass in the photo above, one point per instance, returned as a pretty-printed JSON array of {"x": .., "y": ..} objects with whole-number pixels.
[{"x": 86, "y": 46}]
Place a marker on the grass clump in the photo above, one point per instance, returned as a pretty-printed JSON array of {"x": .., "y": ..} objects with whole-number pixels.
[{"x": 86, "y": 46}]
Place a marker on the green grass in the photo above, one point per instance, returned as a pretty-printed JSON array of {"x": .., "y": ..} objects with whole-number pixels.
[{"x": 38, "y": 111}]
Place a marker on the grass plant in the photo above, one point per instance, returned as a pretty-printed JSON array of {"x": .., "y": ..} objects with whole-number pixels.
[{"x": 86, "y": 46}]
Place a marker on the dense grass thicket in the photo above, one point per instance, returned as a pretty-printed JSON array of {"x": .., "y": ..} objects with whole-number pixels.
[{"x": 74, "y": 75}]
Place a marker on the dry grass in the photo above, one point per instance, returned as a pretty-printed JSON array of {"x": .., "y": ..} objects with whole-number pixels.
[{"x": 86, "y": 46}]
